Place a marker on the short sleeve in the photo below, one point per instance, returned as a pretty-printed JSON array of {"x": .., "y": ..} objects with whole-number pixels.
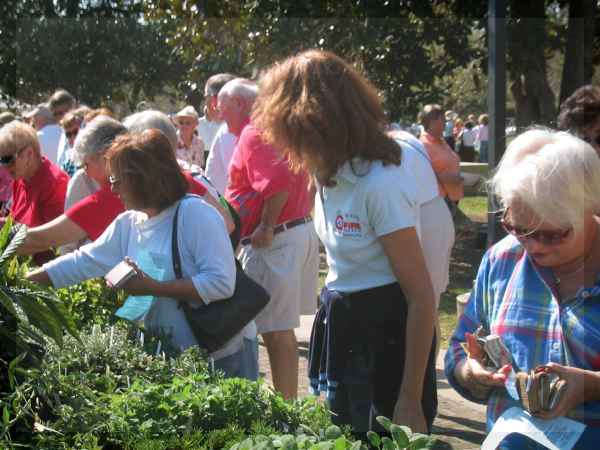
[
  {"x": 267, "y": 173},
  {"x": 390, "y": 199},
  {"x": 94, "y": 213}
]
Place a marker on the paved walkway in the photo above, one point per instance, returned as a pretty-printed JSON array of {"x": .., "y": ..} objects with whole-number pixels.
[{"x": 460, "y": 424}]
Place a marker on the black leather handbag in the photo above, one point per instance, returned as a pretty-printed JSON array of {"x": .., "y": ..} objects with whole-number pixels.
[{"x": 215, "y": 324}]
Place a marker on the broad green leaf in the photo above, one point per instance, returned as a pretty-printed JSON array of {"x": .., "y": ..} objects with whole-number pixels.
[
  {"x": 333, "y": 432},
  {"x": 325, "y": 445},
  {"x": 5, "y": 231},
  {"x": 384, "y": 422},
  {"x": 5, "y": 415},
  {"x": 388, "y": 444},
  {"x": 246, "y": 444},
  {"x": 17, "y": 240},
  {"x": 340, "y": 443},
  {"x": 418, "y": 441},
  {"x": 289, "y": 444},
  {"x": 308, "y": 430},
  {"x": 41, "y": 317},
  {"x": 374, "y": 438},
  {"x": 399, "y": 436},
  {"x": 60, "y": 312},
  {"x": 356, "y": 445},
  {"x": 7, "y": 301}
]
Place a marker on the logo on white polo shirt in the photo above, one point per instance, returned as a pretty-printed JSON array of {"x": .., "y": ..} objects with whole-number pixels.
[{"x": 348, "y": 225}]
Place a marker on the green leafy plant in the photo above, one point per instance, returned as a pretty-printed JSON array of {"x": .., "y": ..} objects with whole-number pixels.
[
  {"x": 333, "y": 438},
  {"x": 106, "y": 390},
  {"x": 28, "y": 312}
]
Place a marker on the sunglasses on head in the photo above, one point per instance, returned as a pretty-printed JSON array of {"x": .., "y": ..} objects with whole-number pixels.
[{"x": 542, "y": 236}]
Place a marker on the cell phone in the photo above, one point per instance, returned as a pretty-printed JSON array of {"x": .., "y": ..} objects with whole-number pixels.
[{"x": 119, "y": 274}]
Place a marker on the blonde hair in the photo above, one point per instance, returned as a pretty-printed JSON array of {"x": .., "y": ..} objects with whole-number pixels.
[
  {"x": 325, "y": 113},
  {"x": 555, "y": 174},
  {"x": 16, "y": 136}
]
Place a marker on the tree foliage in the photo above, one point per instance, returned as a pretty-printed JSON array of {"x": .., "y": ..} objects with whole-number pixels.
[
  {"x": 401, "y": 47},
  {"x": 100, "y": 61},
  {"x": 98, "y": 50}
]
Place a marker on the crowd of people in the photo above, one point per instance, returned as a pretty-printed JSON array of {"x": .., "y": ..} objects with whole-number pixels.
[{"x": 304, "y": 155}]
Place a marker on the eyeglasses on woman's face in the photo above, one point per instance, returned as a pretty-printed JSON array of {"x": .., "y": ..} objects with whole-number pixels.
[{"x": 545, "y": 237}]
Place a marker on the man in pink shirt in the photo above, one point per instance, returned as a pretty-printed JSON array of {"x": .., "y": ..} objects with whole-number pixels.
[{"x": 279, "y": 242}]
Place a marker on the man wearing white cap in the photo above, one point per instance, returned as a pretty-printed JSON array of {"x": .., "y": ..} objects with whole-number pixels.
[
  {"x": 49, "y": 132},
  {"x": 189, "y": 147}
]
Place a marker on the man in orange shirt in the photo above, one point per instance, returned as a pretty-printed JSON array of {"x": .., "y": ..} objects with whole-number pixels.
[{"x": 445, "y": 162}]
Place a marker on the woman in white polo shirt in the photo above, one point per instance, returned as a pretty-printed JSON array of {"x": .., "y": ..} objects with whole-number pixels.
[{"x": 372, "y": 345}]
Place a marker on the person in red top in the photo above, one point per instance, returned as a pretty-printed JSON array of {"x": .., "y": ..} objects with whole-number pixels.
[
  {"x": 39, "y": 186},
  {"x": 279, "y": 242},
  {"x": 89, "y": 217}
]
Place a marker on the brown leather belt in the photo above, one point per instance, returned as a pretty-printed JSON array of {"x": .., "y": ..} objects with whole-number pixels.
[{"x": 282, "y": 227}]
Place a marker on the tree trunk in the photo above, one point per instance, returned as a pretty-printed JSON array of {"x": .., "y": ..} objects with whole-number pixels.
[
  {"x": 578, "y": 67},
  {"x": 535, "y": 101}
]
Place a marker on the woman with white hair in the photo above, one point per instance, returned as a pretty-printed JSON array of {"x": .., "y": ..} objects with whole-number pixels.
[
  {"x": 153, "y": 119},
  {"x": 539, "y": 287},
  {"x": 189, "y": 146}
]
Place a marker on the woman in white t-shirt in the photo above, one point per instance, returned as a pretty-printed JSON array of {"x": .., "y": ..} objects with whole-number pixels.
[
  {"x": 372, "y": 347},
  {"x": 150, "y": 183},
  {"x": 467, "y": 143}
]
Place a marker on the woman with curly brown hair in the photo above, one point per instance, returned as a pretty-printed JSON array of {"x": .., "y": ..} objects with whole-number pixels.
[
  {"x": 372, "y": 342},
  {"x": 580, "y": 115}
]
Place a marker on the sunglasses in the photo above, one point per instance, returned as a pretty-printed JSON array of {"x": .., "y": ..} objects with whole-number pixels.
[
  {"x": 71, "y": 134},
  {"x": 7, "y": 160},
  {"x": 545, "y": 237},
  {"x": 185, "y": 123}
]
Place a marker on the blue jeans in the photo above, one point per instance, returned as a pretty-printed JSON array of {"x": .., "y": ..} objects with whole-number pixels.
[{"x": 242, "y": 364}]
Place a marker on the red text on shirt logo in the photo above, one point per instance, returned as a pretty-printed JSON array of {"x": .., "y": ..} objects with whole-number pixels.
[{"x": 345, "y": 226}]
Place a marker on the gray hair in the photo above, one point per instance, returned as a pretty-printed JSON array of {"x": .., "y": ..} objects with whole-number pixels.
[
  {"x": 96, "y": 138},
  {"x": 241, "y": 87},
  {"x": 152, "y": 119},
  {"x": 555, "y": 174}
]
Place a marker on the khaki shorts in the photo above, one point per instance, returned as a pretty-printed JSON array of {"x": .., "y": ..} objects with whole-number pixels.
[{"x": 288, "y": 269}]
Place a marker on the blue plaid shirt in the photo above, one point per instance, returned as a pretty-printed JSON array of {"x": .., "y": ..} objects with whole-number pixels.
[{"x": 514, "y": 298}]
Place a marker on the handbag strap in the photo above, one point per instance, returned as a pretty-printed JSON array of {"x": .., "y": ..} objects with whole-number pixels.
[{"x": 175, "y": 247}]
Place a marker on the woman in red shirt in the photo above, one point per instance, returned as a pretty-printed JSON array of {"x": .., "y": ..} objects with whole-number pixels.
[{"x": 89, "y": 217}]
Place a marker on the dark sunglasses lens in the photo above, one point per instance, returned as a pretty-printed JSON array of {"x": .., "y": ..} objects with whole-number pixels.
[
  {"x": 550, "y": 237},
  {"x": 7, "y": 160},
  {"x": 73, "y": 133}
]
